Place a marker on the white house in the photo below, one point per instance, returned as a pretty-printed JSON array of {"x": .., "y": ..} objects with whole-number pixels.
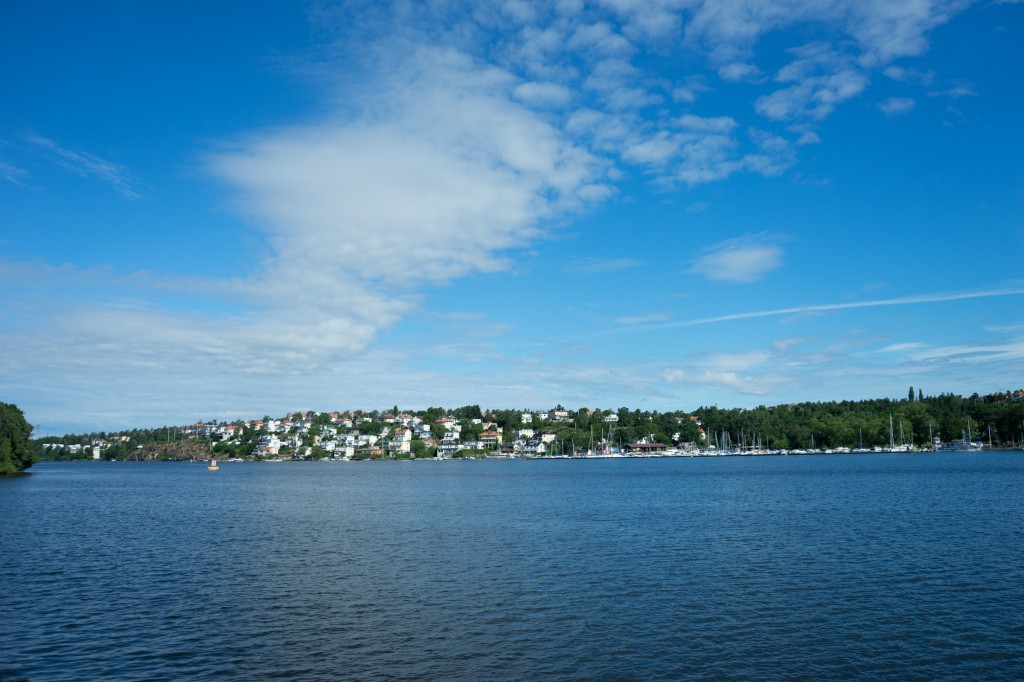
[
  {"x": 400, "y": 442},
  {"x": 559, "y": 415},
  {"x": 448, "y": 446}
]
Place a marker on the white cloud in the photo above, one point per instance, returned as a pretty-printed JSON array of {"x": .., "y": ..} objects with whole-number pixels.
[
  {"x": 520, "y": 11},
  {"x": 889, "y": 30},
  {"x": 655, "y": 150},
  {"x": 737, "y": 71},
  {"x": 543, "y": 94},
  {"x": 896, "y": 106},
  {"x": 693, "y": 87},
  {"x": 600, "y": 38},
  {"x": 821, "y": 79},
  {"x": 620, "y": 85},
  {"x": 450, "y": 172},
  {"x": 717, "y": 124},
  {"x": 808, "y": 138},
  {"x": 440, "y": 175},
  {"x": 740, "y": 261},
  {"x": 813, "y": 97}
]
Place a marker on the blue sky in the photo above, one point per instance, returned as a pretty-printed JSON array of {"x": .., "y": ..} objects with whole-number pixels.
[{"x": 236, "y": 209}]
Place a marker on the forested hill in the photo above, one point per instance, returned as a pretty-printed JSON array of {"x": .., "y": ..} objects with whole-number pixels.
[{"x": 867, "y": 422}]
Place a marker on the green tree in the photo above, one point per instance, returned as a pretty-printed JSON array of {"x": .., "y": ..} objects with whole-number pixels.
[
  {"x": 15, "y": 449},
  {"x": 418, "y": 449}
]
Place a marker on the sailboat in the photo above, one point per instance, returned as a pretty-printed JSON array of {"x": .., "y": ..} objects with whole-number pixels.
[{"x": 902, "y": 447}]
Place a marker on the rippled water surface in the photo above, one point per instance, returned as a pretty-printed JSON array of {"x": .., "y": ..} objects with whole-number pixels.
[{"x": 817, "y": 568}]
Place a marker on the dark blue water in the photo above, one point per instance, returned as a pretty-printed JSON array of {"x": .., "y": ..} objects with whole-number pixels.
[{"x": 817, "y": 568}]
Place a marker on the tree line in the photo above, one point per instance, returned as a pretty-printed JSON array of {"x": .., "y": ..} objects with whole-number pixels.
[{"x": 867, "y": 422}]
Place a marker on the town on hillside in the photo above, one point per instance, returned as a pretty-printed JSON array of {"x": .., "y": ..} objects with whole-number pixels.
[
  {"x": 916, "y": 423},
  {"x": 359, "y": 434}
]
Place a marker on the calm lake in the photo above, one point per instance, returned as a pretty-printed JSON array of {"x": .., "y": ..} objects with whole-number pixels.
[{"x": 882, "y": 566}]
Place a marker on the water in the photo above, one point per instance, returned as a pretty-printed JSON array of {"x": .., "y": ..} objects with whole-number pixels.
[{"x": 817, "y": 568}]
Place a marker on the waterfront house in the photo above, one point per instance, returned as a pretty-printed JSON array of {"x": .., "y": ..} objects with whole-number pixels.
[
  {"x": 448, "y": 446},
  {"x": 490, "y": 438},
  {"x": 400, "y": 442}
]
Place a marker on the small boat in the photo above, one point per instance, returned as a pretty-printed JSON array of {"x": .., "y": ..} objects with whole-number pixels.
[{"x": 213, "y": 465}]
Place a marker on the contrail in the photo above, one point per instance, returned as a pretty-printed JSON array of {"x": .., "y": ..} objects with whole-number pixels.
[{"x": 824, "y": 307}]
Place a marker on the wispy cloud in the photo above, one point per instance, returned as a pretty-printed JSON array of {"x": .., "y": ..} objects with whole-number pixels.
[
  {"x": 87, "y": 165},
  {"x": 904, "y": 74},
  {"x": 748, "y": 373},
  {"x": 783, "y": 344},
  {"x": 12, "y": 174},
  {"x": 742, "y": 260},
  {"x": 900, "y": 347},
  {"x": 643, "y": 319},
  {"x": 592, "y": 266},
  {"x": 955, "y": 92},
  {"x": 962, "y": 353}
]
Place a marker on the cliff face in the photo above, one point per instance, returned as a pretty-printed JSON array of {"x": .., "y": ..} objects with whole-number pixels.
[{"x": 180, "y": 450}]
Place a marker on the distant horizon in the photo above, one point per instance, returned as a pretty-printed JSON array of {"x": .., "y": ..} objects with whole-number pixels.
[{"x": 212, "y": 211}]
